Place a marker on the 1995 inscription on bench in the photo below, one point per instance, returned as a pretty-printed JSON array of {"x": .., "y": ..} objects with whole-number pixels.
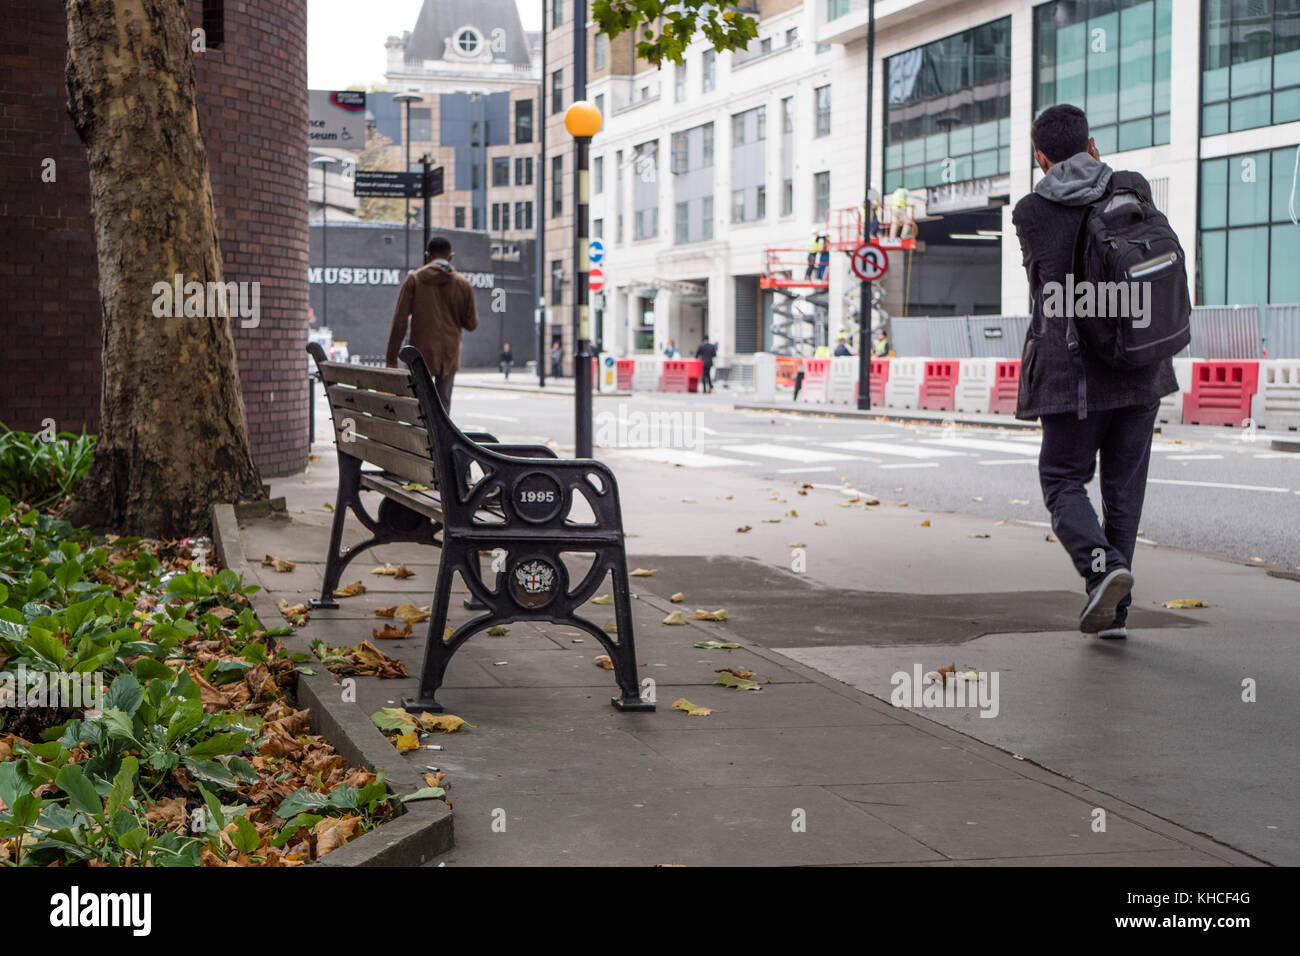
[{"x": 538, "y": 497}]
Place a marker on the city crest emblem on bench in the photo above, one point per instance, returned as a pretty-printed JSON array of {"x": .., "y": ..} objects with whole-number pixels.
[{"x": 534, "y": 582}]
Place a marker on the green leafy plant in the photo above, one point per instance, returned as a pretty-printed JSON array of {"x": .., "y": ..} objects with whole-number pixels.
[
  {"x": 42, "y": 469},
  {"x": 669, "y": 26}
]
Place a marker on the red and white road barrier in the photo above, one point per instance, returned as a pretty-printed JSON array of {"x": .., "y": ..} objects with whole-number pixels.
[
  {"x": 903, "y": 389},
  {"x": 1221, "y": 393},
  {"x": 975, "y": 385},
  {"x": 1276, "y": 404}
]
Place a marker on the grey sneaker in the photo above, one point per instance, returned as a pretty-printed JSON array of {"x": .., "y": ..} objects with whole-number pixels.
[
  {"x": 1116, "y": 632},
  {"x": 1099, "y": 612}
]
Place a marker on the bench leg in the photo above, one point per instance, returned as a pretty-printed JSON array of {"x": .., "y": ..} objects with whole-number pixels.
[
  {"x": 334, "y": 560},
  {"x": 623, "y": 655},
  {"x": 437, "y": 652}
]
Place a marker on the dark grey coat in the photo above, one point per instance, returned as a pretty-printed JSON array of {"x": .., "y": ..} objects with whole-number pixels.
[{"x": 1047, "y": 222}]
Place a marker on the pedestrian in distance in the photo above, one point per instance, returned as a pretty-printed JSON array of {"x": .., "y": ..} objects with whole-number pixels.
[
  {"x": 706, "y": 352},
  {"x": 507, "y": 360},
  {"x": 557, "y": 360},
  {"x": 437, "y": 304},
  {"x": 1092, "y": 397},
  {"x": 882, "y": 344},
  {"x": 798, "y": 384},
  {"x": 842, "y": 349},
  {"x": 823, "y": 256},
  {"x": 670, "y": 350}
]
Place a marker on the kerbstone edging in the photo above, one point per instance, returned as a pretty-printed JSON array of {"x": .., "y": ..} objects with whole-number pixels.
[{"x": 423, "y": 829}]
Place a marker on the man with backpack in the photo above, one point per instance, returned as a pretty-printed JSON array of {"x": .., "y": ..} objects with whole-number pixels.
[
  {"x": 436, "y": 304},
  {"x": 1110, "y": 310}
]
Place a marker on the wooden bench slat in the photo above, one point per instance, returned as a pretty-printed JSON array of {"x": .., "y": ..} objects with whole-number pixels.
[
  {"x": 425, "y": 503},
  {"x": 393, "y": 380},
  {"x": 389, "y": 407},
  {"x": 410, "y": 438},
  {"x": 411, "y": 467}
]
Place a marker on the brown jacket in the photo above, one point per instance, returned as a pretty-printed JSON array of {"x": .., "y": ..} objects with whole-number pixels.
[{"x": 440, "y": 304}]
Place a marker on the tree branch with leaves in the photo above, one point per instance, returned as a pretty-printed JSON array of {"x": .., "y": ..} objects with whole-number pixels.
[{"x": 677, "y": 23}]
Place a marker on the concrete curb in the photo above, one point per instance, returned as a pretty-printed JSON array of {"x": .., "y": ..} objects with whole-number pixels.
[
  {"x": 423, "y": 829},
  {"x": 1020, "y": 765},
  {"x": 893, "y": 414}
]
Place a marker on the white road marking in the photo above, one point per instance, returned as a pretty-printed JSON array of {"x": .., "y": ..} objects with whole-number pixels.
[
  {"x": 1218, "y": 484},
  {"x": 902, "y": 450},
  {"x": 984, "y": 444},
  {"x": 913, "y": 464},
  {"x": 1008, "y": 461},
  {"x": 495, "y": 418},
  {"x": 680, "y": 456},
  {"x": 767, "y": 450},
  {"x": 803, "y": 470},
  {"x": 1193, "y": 457}
]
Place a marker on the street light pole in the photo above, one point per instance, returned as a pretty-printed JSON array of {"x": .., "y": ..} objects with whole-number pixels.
[
  {"x": 407, "y": 98},
  {"x": 322, "y": 162},
  {"x": 864, "y": 291},
  {"x": 582, "y": 121}
]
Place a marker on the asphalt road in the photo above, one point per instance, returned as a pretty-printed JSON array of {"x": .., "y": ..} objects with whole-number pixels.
[{"x": 1210, "y": 490}]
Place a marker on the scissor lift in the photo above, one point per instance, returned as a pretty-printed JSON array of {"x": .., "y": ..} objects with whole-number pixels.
[{"x": 795, "y": 330}]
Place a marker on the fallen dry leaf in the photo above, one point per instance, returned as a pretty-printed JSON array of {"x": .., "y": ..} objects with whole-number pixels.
[
  {"x": 946, "y": 672},
  {"x": 602, "y": 660},
  {"x": 350, "y": 590},
  {"x": 738, "y": 671},
  {"x": 441, "y": 723},
  {"x": 391, "y": 632},
  {"x": 674, "y": 618},
  {"x": 678, "y": 598},
  {"x": 743, "y": 529},
  {"x": 1181, "y": 603},
  {"x": 641, "y": 573},
  {"x": 701, "y": 615},
  {"x": 498, "y": 630},
  {"x": 280, "y": 564},
  {"x": 603, "y": 599},
  {"x": 681, "y": 703}
]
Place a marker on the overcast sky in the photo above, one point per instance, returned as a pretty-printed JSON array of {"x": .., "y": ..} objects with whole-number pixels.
[{"x": 345, "y": 39}]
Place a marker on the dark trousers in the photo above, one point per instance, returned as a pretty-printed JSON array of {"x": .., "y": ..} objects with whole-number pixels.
[
  {"x": 442, "y": 385},
  {"x": 706, "y": 380},
  {"x": 1067, "y": 463}
]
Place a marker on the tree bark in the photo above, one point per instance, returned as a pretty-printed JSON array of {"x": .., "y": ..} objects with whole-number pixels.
[{"x": 173, "y": 433}]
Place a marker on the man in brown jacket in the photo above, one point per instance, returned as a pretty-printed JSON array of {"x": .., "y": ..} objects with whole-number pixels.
[{"x": 439, "y": 303}]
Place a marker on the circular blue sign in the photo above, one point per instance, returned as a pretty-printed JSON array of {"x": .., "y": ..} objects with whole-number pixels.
[{"x": 596, "y": 250}]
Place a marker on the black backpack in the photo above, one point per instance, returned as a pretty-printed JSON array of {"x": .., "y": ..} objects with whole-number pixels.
[{"x": 1125, "y": 239}]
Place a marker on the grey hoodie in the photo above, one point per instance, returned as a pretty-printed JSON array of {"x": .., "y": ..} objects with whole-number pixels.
[{"x": 1076, "y": 181}]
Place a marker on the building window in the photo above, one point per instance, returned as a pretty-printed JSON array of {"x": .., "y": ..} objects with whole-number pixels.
[
  {"x": 557, "y": 185},
  {"x": 760, "y": 122},
  {"x": 598, "y": 175},
  {"x": 618, "y": 195},
  {"x": 467, "y": 42},
  {"x": 787, "y": 197},
  {"x": 598, "y": 228},
  {"x": 500, "y": 171},
  {"x": 421, "y": 125},
  {"x": 519, "y": 215},
  {"x": 792, "y": 36},
  {"x": 787, "y": 114},
  {"x": 822, "y": 96},
  {"x": 836, "y": 9},
  {"x": 947, "y": 118},
  {"x": 679, "y": 153},
  {"x": 1251, "y": 59},
  {"x": 523, "y": 170},
  {"x": 762, "y": 202},
  {"x": 692, "y": 168},
  {"x": 477, "y": 218},
  {"x": 737, "y": 130},
  {"x": 1112, "y": 61},
  {"x": 600, "y": 103},
  {"x": 474, "y": 180},
  {"x": 821, "y": 195},
  {"x": 557, "y": 284},
  {"x": 748, "y": 164},
  {"x": 523, "y": 121},
  {"x": 528, "y": 214},
  {"x": 557, "y": 92},
  {"x": 738, "y": 205},
  {"x": 496, "y": 217},
  {"x": 645, "y": 192},
  {"x": 706, "y": 150},
  {"x": 679, "y": 83},
  {"x": 706, "y": 216},
  {"x": 764, "y": 46},
  {"x": 601, "y": 51},
  {"x": 821, "y": 48},
  {"x": 460, "y": 217},
  {"x": 682, "y": 224},
  {"x": 557, "y": 14},
  {"x": 709, "y": 74},
  {"x": 1248, "y": 245}
]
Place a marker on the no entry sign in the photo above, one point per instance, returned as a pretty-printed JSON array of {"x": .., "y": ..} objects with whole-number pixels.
[
  {"x": 870, "y": 262},
  {"x": 596, "y": 279}
]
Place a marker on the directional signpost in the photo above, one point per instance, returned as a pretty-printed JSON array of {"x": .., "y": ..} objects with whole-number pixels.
[{"x": 389, "y": 185}]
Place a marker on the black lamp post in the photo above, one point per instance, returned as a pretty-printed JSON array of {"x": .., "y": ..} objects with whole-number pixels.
[
  {"x": 864, "y": 291},
  {"x": 408, "y": 99},
  {"x": 582, "y": 120}
]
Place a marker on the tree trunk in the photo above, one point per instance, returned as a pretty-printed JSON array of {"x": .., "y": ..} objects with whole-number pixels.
[{"x": 173, "y": 433}]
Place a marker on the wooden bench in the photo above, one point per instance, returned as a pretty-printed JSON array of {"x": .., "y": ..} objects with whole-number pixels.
[{"x": 469, "y": 494}]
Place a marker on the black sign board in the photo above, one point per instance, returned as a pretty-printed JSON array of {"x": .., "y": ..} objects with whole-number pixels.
[
  {"x": 388, "y": 185},
  {"x": 433, "y": 182}
]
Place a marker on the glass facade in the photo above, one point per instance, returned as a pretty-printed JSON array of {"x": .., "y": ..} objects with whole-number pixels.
[
  {"x": 1249, "y": 243},
  {"x": 1251, "y": 59},
  {"x": 948, "y": 108},
  {"x": 1110, "y": 58}
]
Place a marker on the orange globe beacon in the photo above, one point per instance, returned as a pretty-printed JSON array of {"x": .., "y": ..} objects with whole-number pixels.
[{"x": 582, "y": 119}]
